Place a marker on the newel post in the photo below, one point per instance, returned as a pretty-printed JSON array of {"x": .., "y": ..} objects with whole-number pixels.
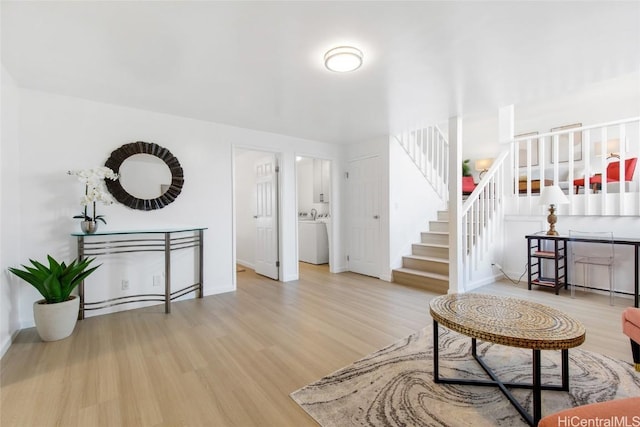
[{"x": 455, "y": 206}]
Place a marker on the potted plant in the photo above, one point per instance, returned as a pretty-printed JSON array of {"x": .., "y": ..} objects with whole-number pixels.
[
  {"x": 466, "y": 169},
  {"x": 95, "y": 190},
  {"x": 55, "y": 315}
]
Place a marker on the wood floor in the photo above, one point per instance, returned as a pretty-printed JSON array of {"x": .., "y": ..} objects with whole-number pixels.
[{"x": 233, "y": 359}]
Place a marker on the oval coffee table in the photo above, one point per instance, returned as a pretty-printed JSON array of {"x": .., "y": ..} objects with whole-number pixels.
[{"x": 511, "y": 322}]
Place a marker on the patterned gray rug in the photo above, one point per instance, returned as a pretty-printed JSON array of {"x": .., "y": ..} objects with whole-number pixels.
[{"x": 394, "y": 386}]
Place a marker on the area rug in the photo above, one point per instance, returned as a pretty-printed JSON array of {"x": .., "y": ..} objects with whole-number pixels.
[{"x": 394, "y": 386}]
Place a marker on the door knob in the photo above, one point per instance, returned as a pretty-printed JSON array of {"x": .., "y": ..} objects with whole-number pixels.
[
  {"x": 255, "y": 216},
  {"x": 376, "y": 217}
]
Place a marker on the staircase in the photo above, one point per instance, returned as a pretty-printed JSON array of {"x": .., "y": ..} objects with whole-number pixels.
[{"x": 428, "y": 265}]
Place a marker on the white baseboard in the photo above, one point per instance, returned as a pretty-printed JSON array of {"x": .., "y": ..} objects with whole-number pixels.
[
  {"x": 223, "y": 290},
  {"x": 386, "y": 277},
  {"x": 245, "y": 264},
  {"x": 340, "y": 269},
  {"x": 7, "y": 343},
  {"x": 486, "y": 281}
]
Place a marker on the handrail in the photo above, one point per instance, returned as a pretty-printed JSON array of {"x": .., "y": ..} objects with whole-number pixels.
[
  {"x": 482, "y": 217},
  {"x": 484, "y": 182},
  {"x": 580, "y": 129}
]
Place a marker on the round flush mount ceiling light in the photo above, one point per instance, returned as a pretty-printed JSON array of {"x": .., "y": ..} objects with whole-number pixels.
[{"x": 343, "y": 59}]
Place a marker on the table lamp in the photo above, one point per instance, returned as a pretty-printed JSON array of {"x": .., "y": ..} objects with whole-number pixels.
[
  {"x": 483, "y": 166},
  {"x": 613, "y": 149},
  {"x": 552, "y": 196}
]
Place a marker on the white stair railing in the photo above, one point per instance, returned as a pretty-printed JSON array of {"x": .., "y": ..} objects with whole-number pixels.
[
  {"x": 572, "y": 153},
  {"x": 482, "y": 217},
  {"x": 429, "y": 150}
]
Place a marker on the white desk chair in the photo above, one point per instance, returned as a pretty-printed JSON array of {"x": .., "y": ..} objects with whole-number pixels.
[{"x": 589, "y": 254}]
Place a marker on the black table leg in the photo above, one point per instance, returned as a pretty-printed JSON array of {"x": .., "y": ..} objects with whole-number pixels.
[
  {"x": 637, "y": 277},
  {"x": 537, "y": 390},
  {"x": 565, "y": 369},
  {"x": 436, "y": 376}
]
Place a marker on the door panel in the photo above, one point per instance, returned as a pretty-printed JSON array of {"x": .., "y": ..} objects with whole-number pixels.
[
  {"x": 364, "y": 216},
  {"x": 267, "y": 217}
]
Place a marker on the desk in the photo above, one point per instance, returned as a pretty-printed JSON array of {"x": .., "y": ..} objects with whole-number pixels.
[
  {"x": 511, "y": 322},
  {"x": 164, "y": 240},
  {"x": 630, "y": 241}
]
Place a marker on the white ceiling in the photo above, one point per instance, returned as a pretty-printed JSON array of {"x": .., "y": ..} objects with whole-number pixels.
[{"x": 259, "y": 64}]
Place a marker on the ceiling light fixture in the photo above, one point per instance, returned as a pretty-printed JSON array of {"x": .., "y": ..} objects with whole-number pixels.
[{"x": 343, "y": 59}]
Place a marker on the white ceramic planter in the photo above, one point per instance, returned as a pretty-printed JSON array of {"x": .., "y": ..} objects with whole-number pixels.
[{"x": 56, "y": 321}]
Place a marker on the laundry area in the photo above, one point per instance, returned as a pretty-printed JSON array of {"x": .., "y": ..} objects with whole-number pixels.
[{"x": 314, "y": 209}]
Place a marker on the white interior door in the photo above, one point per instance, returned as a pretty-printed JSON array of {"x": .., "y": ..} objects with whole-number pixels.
[
  {"x": 364, "y": 216},
  {"x": 266, "y": 216}
]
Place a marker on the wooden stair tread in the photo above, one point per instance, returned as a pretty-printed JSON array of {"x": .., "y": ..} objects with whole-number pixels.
[
  {"x": 435, "y": 245},
  {"x": 422, "y": 273}
]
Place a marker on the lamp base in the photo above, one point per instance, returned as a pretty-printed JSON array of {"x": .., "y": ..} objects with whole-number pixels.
[{"x": 552, "y": 219}]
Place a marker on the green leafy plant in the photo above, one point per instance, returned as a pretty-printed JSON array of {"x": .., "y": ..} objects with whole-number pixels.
[
  {"x": 466, "y": 169},
  {"x": 55, "y": 282}
]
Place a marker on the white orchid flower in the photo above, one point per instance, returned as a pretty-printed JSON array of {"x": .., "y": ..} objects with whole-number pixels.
[{"x": 95, "y": 189}]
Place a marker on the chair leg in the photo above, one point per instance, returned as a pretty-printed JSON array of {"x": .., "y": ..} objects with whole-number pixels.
[
  {"x": 635, "y": 351},
  {"x": 586, "y": 269},
  {"x": 611, "y": 293}
]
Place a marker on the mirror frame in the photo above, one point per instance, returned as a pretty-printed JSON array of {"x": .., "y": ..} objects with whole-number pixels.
[{"x": 121, "y": 195}]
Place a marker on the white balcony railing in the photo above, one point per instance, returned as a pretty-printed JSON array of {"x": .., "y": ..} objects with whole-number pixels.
[{"x": 569, "y": 155}]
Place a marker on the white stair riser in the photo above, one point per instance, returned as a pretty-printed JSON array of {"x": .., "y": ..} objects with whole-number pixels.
[
  {"x": 439, "y": 226},
  {"x": 427, "y": 283},
  {"x": 439, "y": 239}
]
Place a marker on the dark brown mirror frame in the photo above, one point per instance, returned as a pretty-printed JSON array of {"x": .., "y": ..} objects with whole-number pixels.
[{"x": 120, "y": 194}]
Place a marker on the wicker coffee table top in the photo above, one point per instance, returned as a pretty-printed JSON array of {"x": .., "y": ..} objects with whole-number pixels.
[{"x": 507, "y": 321}]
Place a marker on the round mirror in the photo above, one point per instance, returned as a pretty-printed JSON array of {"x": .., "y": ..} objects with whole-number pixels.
[
  {"x": 150, "y": 177},
  {"x": 145, "y": 176}
]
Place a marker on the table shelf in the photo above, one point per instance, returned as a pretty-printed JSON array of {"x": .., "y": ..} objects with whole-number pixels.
[{"x": 546, "y": 251}]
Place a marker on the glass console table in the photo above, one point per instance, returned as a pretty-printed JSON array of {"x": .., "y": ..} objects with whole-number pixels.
[
  {"x": 628, "y": 241},
  {"x": 162, "y": 240}
]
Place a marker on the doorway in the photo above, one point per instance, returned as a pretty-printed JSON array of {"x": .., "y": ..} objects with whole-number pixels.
[
  {"x": 256, "y": 216},
  {"x": 313, "y": 198}
]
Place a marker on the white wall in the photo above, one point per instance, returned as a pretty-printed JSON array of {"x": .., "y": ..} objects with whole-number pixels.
[
  {"x": 79, "y": 134},
  {"x": 413, "y": 203},
  {"x": 10, "y": 242}
]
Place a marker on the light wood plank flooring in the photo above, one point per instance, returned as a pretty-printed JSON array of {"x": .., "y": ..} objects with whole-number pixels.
[{"x": 233, "y": 359}]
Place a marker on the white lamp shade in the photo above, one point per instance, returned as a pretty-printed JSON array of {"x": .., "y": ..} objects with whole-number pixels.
[
  {"x": 483, "y": 164},
  {"x": 343, "y": 59},
  {"x": 613, "y": 147},
  {"x": 552, "y": 195}
]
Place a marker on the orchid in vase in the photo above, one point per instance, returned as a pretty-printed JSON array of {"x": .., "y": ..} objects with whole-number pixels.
[{"x": 95, "y": 190}]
